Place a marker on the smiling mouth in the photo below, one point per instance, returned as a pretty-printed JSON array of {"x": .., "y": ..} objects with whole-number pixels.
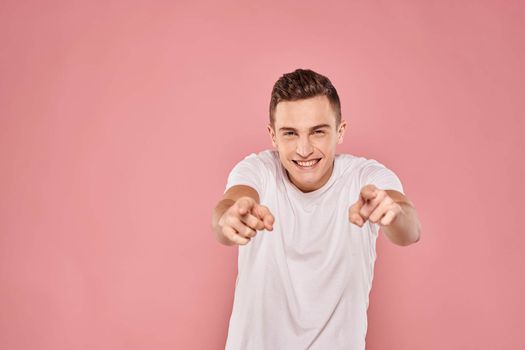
[{"x": 306, "y": 164}]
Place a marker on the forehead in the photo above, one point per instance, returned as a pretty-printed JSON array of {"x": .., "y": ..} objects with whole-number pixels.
[{"x": 304, "y": 113}]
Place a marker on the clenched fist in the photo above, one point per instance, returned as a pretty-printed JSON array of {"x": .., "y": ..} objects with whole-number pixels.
[
  {"x": 243, "y": 219},
  {"x": 375, "y": 205}
]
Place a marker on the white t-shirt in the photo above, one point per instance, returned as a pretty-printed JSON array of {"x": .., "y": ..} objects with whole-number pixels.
[{"x": 305, "y": 285}]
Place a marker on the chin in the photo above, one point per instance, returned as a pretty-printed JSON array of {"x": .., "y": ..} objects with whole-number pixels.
[{"x": 305, "y": 180}]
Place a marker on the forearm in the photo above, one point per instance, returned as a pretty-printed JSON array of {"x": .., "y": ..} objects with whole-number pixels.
[
  {"x": 406, "y": 228},
  {"x": 218, "y": 211}
]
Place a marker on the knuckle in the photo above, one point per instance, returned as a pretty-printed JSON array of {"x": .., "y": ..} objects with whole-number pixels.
[
  {"x": 254, "y": 223},
  {"x": 250, "y": 232}
]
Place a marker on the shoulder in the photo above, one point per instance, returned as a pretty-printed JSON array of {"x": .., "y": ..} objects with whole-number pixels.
[
  {"x": 352, "y": 162},
  {"x": 371, "y": 171},
  {"x": 257, "y": 170},
  {"x": 265, "y": 159},
  {"x": 270, "y": 158}
]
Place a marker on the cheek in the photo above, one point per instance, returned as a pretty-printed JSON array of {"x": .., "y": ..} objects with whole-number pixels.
[
  {"x": 322, "y": 146},
  {"x": 286, "y": 148},
  {"x": 328, "y": 145}
]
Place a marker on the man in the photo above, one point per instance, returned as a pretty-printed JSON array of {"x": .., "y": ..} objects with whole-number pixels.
[{"x": 306, "y": 221}]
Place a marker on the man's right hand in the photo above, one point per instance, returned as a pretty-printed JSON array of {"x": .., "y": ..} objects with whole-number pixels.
[{"x": 243, "y": 219}]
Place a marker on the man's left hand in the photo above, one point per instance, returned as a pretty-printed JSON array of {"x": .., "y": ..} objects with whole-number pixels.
[{"x": 375, "y": 205}]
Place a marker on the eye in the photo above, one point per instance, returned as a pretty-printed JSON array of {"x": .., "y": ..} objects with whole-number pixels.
[
  {"x": 319, "y": 132},
  {"x": 288, "y": 133}
]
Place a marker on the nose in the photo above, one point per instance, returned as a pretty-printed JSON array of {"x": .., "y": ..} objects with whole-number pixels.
[{"x": 304, "y": 148}]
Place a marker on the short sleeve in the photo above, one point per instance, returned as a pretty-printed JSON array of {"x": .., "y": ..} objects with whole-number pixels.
[
  {"x": 249, "y": 172},
  {"x": 377, "y": 174}
]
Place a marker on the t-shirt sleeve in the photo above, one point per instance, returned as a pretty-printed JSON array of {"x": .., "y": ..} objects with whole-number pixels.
[
  {"x": 249, "y": 172},
  {"x": 377, "y": 174}
]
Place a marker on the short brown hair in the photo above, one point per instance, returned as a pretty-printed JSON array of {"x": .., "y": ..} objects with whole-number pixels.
[{"x": 301, "y": 84}]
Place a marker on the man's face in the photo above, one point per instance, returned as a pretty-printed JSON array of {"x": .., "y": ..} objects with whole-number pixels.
[{"x": 305, "y": 135}]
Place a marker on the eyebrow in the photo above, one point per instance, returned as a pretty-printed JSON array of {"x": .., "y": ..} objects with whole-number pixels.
[{"x": 312, "y": 128}]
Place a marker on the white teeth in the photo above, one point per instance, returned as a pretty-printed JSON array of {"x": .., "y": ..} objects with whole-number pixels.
[{"x": 307, "y": 164}]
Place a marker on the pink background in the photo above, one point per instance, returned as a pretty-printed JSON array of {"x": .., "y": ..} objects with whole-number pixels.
[{"x": 120, "y": 121}]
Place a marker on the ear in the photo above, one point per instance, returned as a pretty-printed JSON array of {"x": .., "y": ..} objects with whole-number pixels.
[
  {"x": 341, "y": 131},
  {"x": 272, "y": 134}
]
